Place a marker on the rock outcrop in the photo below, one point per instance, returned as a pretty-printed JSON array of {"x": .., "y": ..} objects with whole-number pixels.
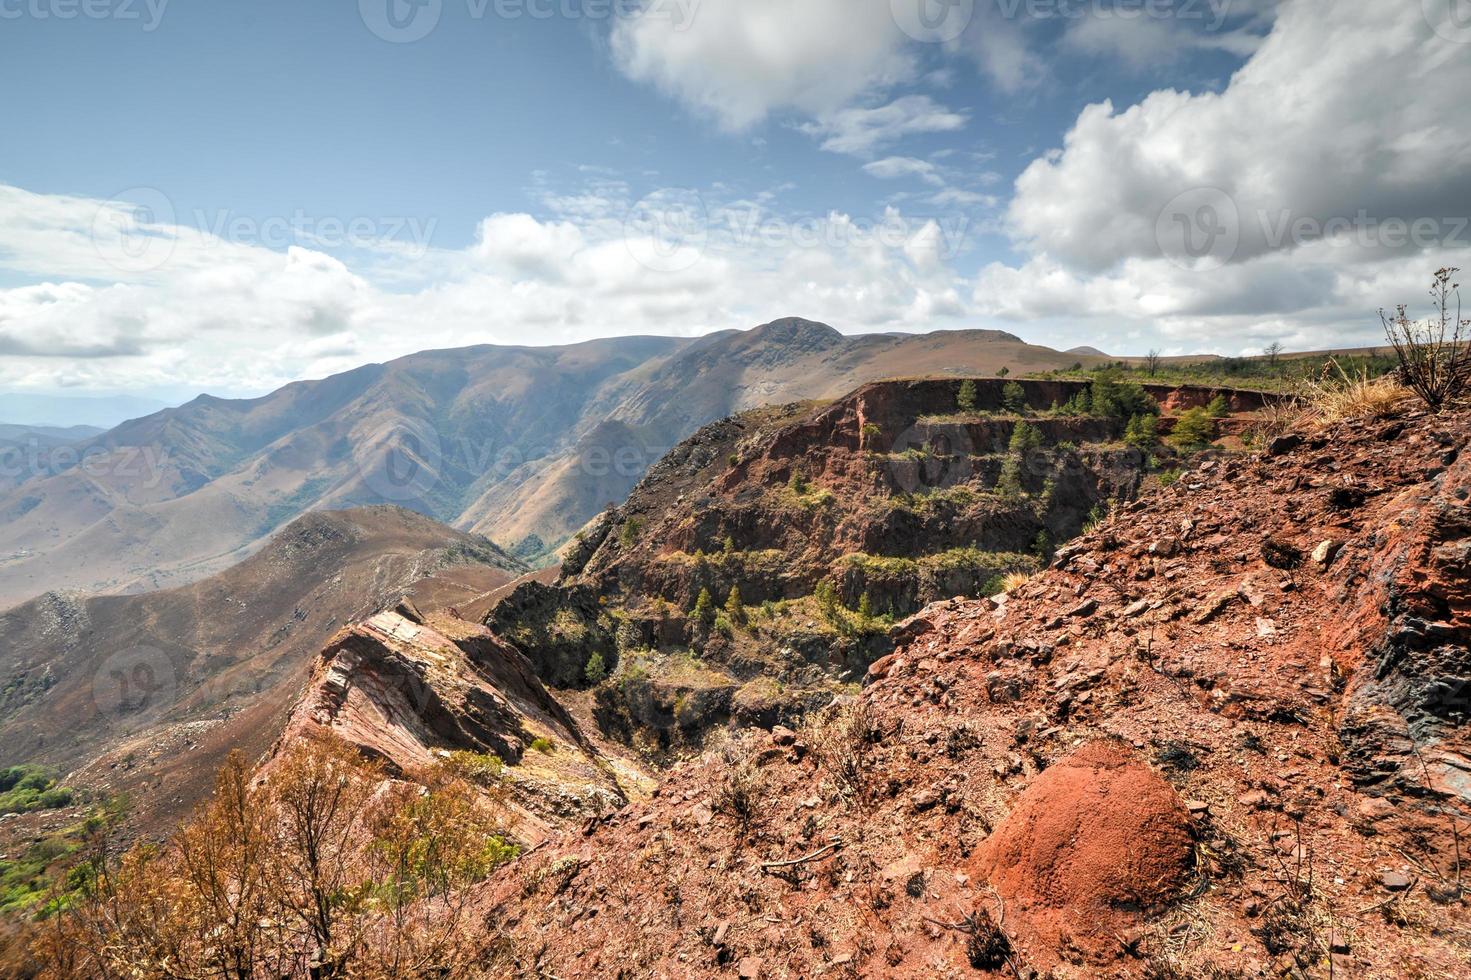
[
  {"x": 1189, "y": 748},
  {"x": 410, "y": 693}
]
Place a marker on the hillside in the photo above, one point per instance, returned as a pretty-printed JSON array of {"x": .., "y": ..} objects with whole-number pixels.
[
  {"x": 1225, "y": 735},
  {"x": 521, "y": 444},
  {"x": 147, "y": 693},
  {"x": 806, "y": 530}
]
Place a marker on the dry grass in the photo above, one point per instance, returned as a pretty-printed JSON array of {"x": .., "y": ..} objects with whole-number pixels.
[
  {"x": 1343, "y": 395},
  {"x": 1014, "y": 580}
]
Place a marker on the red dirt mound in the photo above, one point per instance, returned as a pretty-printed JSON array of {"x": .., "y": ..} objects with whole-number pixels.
[{"x": 1097, "y": 838}]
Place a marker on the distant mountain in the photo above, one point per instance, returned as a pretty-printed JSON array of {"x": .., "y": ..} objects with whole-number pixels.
[
  {"x": 166, "y": 683},
  {"x": 62, "y": 411},
  {"x": 46, "y": 436},
  {"x": 1086, "y": 351},
  {"x": 509, "y": 442}
]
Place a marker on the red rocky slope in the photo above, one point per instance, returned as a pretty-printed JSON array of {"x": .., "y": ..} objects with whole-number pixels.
[{"x": 1225, "y": 735}]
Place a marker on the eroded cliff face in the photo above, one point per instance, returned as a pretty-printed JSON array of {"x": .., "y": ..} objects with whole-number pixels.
[
  {"x": 1242, "y": 701},
  {"x": 818, "y": 525},
  {"x": 408, "y": 691}
]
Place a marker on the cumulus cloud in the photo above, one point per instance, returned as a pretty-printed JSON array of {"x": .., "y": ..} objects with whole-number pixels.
[
  {"x": 236, "y": 318},
  {"x": 1333, "y": 116},
  {"x": 1327, "y": 179},
  {"x": 741, "y": 60}
]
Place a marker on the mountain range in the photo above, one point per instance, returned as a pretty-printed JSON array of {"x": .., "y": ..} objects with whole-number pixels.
[{"x": 520, "y": 444}]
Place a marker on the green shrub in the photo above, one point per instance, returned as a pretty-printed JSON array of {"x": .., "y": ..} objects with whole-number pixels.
[
  {"x": 595, "y": 670},
  {"x": 628, "y": 535},
  {"x": 1194, "y": 429},
  {"x": 965, "y": 399},
  {"x": 1142, "y": 432},
  {"x": 543, "y": 744},
  {"x": 1025, "y": 438},
  {"x": 1219, "y": 408},
  {"x": 1014, "y": 398}
]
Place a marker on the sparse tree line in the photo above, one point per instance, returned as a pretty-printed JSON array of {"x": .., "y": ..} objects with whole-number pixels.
[{"x": 323, "y": 867}]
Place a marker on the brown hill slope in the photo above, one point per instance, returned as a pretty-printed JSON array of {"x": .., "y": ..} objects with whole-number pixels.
[
  {"x": 507, "y": 441},
  {"x": 1225, "y": 735},
  {"x": 162, "y": 685},
  {"x": 827, "y": 521}
]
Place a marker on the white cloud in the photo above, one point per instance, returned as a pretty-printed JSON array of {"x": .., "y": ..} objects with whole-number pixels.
[
  {"x": 241, "y": 319},
  {"x": 862, "y": 130},
  {"x": 741, "y": 60},
  {"x": 1341, "y": 138},
  {"x": 1360, "y": 109},
  {"x": 894, "y": 168}
]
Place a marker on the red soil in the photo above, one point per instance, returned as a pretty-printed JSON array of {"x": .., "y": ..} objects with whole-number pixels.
[{"x": 1098, "y": 839}]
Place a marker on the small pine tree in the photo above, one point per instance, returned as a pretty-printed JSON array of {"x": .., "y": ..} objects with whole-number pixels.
[
  {"x": 966, "y": 398},
  {"x": 1194, "y": 429},
  {"x": 1025, "y": 438},
  {"x": 865, "y": 607},
  {"x": 704, "y": 610},
  {"x": 728, "y": 545},
  {"x": 827, "y": 599},
  {"x": 1142, "y": 432},
  {"x": 1010, "y": 482},
  {"x": 595, "y": 670},
  {"x": 1014, "y": 397},
  {"x": 1042, "y": 547},
  {"x": 1219, "y": 408},
  {"x": 1003, "y": 372},
  {"x": 735, "y": 610},
  {"x": 798, "y": 484}
]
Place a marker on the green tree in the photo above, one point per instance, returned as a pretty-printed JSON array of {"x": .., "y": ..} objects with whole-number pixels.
[
  {"x": 595, "y": 670},
  {"x": 1003, "y": 372},
  {"x": 1042, "y": 546},
  {"x": 1010, "y": 482},
  {"x": 1014, "y": 397},
  {"x": 728, "y": 545},
  {"x": 1142, "y": 432},
  {"x": 865, "y": 607},
  {"x": 827, "y": 600},
  {"x": 1025, "y": 438},
  {"x": 704, "y": 610},
  {"x": 1219, "y": 408},
  {"x": 966, "y": 398},
  {"x": 1194, "y": 429},
  {"x": 735, "y": 609}
]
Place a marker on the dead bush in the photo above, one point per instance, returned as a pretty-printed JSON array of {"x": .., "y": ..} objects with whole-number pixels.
[{"x": 1434, "y": 354}]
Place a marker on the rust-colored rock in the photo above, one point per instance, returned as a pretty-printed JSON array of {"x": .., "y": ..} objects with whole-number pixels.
[{"x": 1097, "y": 840}]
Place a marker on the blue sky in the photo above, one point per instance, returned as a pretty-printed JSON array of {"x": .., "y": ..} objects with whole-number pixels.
[{"x": 317, "y": 196}]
